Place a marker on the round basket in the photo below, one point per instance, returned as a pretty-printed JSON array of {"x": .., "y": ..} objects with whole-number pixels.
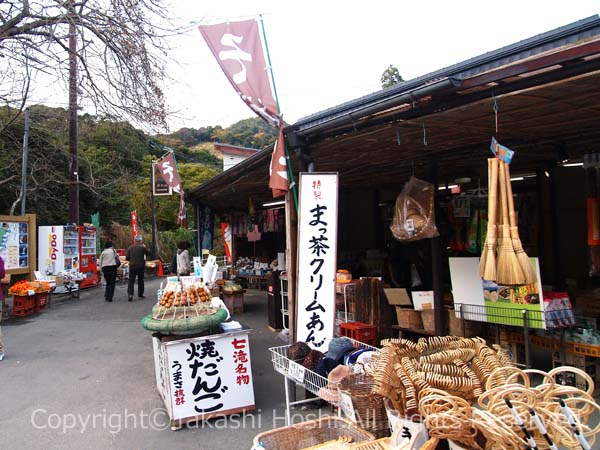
[
  {"x": 369, "y": 409},
  {"x": 311, "y": 433}
]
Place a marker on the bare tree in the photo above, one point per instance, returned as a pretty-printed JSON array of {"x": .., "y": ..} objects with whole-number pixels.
[{"x": 121, "y": 51}]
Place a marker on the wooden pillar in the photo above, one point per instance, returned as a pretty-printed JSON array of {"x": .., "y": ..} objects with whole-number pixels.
[
  {"x": 557, "y": 279},
  {"x": 291, "y": 255},
  {"x": 197, "y": 227},
  {"x": 436, "y": 257}
]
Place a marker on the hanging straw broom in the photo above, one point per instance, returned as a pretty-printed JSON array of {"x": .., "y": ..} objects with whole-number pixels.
[
  {"x": 509, "y": 269},
  {"x": 487, "y": 264},
  {"x": 528, "y": 273}
]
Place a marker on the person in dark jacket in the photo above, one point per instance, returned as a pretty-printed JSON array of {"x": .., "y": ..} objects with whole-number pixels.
[{"x": 136, "y": 255}]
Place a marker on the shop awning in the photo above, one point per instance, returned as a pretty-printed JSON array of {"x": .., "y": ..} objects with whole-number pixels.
[{"x": 546, "y": 91}]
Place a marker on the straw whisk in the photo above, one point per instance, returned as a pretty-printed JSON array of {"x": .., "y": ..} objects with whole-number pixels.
[
  {"x": 509, "y": 268},
  {"x": 487, "y": 264},
  {"x": 524, "y": 262}
]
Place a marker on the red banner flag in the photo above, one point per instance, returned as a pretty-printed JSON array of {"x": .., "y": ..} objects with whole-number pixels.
[
  {"x": 238, "y": 50},
  {"x": 182, "y": 216},
  {"x": 134, "y": 228},
  {"x": 226, "y": 229},
  {"x": 278, "y": 181},
  {"x": 168, "y": 170}
]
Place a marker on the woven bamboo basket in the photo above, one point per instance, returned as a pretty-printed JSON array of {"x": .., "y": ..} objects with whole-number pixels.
[
  {"x": 368, "y": 407},
  {"x": 428, "y": 319},
  {"x": 311, "y": 433},
  {"x": 471, "y": 328},
  {"x": 409, "y": 318}
]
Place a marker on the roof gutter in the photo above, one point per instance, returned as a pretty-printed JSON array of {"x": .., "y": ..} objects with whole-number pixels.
[{"x": 410, "y": 96}]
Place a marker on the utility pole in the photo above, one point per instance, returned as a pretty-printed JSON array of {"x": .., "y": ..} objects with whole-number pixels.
[
  {"x": 73, "y": 163},
  {"x": 24, "y": 164},
  {"x": 152, "y": 207}
]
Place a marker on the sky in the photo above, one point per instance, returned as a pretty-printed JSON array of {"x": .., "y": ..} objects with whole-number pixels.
[{"x": 325, "y": 53}]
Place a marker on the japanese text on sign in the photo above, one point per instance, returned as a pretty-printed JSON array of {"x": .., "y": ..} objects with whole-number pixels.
[
  {"x": 204, "y": 362},
  {"x": 317, "y": 247}
]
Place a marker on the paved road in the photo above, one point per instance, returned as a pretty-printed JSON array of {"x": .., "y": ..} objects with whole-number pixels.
[{"x": 81, "y": 376}]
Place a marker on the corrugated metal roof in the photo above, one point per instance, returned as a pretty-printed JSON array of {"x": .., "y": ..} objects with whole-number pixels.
[{"x": 526, "y": 48}]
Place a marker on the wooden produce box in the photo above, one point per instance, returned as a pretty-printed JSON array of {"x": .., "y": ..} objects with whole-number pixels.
[
  {"x": 407, "y": 316},
  {"x": 234, "y": 302}
]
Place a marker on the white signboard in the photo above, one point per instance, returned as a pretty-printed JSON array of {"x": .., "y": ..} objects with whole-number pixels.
[
  {"x": 486, "y": 301},
  {"x": 422, "y": 300},
  {"x": 347, "y": 407},
  {"x": 209, "y": 375},
  {"x": 296, "y": 372},
  {"x": 317, "y": 249}
]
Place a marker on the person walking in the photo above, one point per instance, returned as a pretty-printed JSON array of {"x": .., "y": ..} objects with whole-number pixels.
[
  {"x": 108, "y": 265},
  {"x": 136, "y": 255},
  {"x": 2, "y": 274},
  {"x": 184, "y": 266}
]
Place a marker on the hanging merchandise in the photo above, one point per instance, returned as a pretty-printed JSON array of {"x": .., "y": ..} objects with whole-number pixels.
[
  {"x": 415, "y": 278},
  {"x": 461, "y": 206},
  {"x": 414, "y": 217},
  {"x": 522, "y": 257},
  {"x": 473, "y": 233},
  {"x": 487, "y": 264},
  {"x": 508, "y": 271},
  {"x": 503, "y": 260},
  {"x": 593, "y": 212}
]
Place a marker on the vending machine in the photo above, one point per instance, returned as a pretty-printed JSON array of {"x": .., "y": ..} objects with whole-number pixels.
[
  {"x": 58, "y": 250},
  {"x": 88, "y": 256}
]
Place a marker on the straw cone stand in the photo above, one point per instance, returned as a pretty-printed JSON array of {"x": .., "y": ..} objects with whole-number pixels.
[
  {"x": 487, "y": 264},
  {"x": 526, "y": 267},
  {"x": 509, "y": 269}
]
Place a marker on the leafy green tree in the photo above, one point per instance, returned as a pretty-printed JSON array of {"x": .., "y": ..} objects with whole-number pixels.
[
  {"x": 167, "y": 207},
  {"x": 390, "y": 76}
]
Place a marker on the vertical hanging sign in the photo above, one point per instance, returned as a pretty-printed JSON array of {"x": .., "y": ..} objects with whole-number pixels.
[{"x": 317, "y": 251}]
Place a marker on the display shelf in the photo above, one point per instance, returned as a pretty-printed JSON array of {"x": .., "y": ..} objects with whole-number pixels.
[
  {"x": 518, "y": 317},
  {"x": 577, "y": 348},
  {"x": 347, "y": 290},
  {"x": 412, "y": 330},
  {"x": 510, "y": 336},
  {"x": 295, "y": 372},
  {"x": 283, "y": 292}
]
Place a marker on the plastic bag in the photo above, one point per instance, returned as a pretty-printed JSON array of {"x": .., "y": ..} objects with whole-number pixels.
[
  {"x": 415, "y": 278},
  {"x": 414, "y": 217}
]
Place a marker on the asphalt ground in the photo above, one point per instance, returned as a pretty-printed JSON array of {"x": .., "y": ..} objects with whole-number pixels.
[{"x": 81, "y": 376}]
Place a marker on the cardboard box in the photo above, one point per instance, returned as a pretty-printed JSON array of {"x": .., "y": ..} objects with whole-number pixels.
[
  {"x": 397, "y": 297},
  {"x": 409, "y": 318}
]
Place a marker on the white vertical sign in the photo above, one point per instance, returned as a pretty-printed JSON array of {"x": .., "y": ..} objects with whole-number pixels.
[{"x": 317, "y": 251}]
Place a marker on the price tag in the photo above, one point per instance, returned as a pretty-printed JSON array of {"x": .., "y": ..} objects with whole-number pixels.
[
  {"x": 347, "y": 407},
  {"x": 30, "y": 292},
  {"x": 502, "y": 152},
  {"x": 296, "y": 372}
]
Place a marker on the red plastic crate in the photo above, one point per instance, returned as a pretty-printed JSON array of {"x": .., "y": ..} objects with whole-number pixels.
[
  {"x": 23, "y": 305},
  {"x": 41, "y": 300},
  {"x": 359, "y": 331}
]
